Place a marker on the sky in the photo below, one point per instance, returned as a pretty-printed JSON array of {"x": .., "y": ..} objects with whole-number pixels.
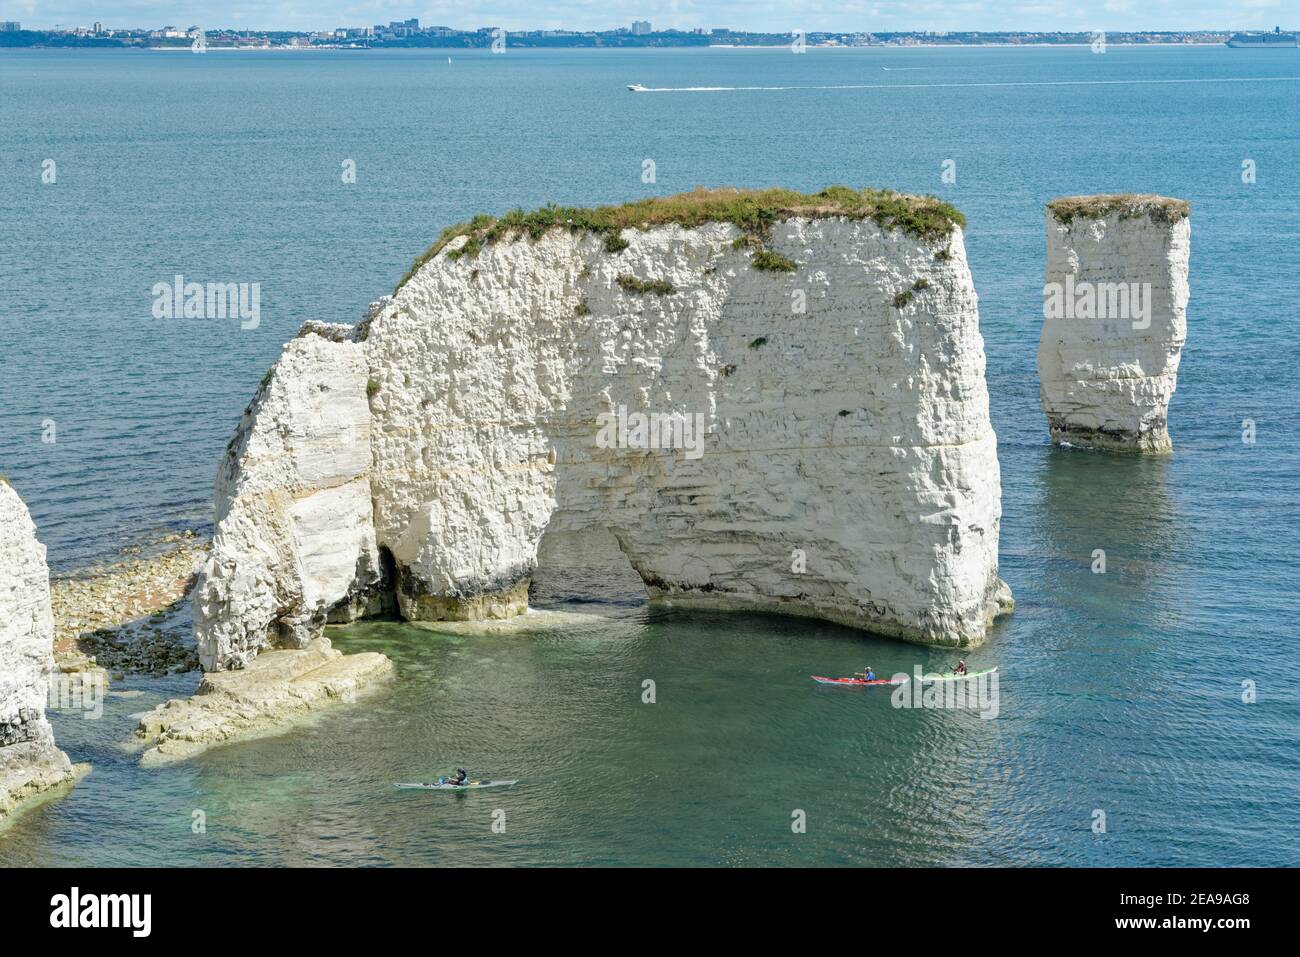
[{"x": 762, "y": 15}]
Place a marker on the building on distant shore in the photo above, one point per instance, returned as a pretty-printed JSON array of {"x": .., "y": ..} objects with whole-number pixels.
[{"x": 638, "y": 33}]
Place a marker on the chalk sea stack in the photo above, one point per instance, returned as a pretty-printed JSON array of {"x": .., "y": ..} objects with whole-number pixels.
[
  {"x": 829, "y": 343},
  {"x": 1115, "y": 319},
  {"x": 30, "y": 764}
]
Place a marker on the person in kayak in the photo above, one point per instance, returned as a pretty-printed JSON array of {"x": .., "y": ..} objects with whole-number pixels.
[
  {"x": 867, "y": 675},
  {"x": 461, "y": 778},
  {"x": 961, "y": 667}
]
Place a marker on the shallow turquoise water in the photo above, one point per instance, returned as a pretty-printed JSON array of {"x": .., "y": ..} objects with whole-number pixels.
[{"x": 1120, "y": 692}]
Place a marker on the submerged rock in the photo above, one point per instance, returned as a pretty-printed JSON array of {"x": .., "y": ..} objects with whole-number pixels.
[
  {"x": 31, "y": 766},
  {"x": 1115, "y": 319},
  {"x": 264, "y": 698},
  {"x": 774, "y": 402}
]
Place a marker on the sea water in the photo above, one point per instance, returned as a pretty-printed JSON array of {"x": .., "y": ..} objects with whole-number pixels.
[{"x": 1147, "y": 715}]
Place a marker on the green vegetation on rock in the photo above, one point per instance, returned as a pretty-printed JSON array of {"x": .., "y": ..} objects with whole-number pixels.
[
  {"x": 753, "y": 211},
  {"x": 660, "y": 287},
  {"x": 470, "y": 229},
  {"x": 769, "y": 261},
  {"x": 1161, "y": 209}
]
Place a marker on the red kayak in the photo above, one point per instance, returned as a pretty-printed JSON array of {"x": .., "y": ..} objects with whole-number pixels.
[{"x": 901, "y": 679}]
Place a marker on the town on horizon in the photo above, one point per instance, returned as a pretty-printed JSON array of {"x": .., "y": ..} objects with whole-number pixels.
[{"x": 410, "y": 34}]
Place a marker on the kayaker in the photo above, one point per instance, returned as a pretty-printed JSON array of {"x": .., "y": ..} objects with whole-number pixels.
[
  {"x": 868, "y": 675},
  {"x": 961, "y": 667},
  {"x": 461, "y": 778}
]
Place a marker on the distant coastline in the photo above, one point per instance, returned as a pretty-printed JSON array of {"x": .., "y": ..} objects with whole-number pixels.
[
  {"x": 712, "y": 46},
  {"x": 409, "y": 35},
  {"x": 343, "y": 48}
]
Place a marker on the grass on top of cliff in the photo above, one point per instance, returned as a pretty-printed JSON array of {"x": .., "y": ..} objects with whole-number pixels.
[
  {"x": 754, "y": 211},
  {"x": 1161, "y": 209}
]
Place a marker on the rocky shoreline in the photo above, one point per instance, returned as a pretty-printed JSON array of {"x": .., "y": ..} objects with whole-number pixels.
[
  {"x": 275, "y": 690},
  {"x": 134, "y": 616},
  {"x": 124, "y": 617}
]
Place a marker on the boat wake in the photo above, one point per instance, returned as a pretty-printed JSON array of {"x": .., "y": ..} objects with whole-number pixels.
[{"x": 637, "y": 88}]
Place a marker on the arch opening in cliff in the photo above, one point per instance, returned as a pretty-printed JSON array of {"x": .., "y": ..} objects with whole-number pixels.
[
  {"x": 583, "y": 566},
  {"x": 373, "y": 594}
]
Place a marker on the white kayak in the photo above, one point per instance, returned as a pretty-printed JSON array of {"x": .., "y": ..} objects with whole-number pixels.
[
  {"x": 950, "y": 676},
  {"x": 442, "y": 786}
]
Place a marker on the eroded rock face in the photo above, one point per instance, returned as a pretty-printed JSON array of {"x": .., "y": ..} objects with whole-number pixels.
[
  {"x": 30, "y": 763},
  {"x": 1115, "y": 319},
  {"x": 844, "y": 467},
  {"x": 294, "y": 535}
]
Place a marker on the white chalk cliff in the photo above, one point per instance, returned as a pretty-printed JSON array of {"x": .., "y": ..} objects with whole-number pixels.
[
  {"x": 30, "y": 763},
  {"x": 848, "y": 470},
  {"x": 1115, "y": 319},
  {"x": 294, "y": 531}
]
